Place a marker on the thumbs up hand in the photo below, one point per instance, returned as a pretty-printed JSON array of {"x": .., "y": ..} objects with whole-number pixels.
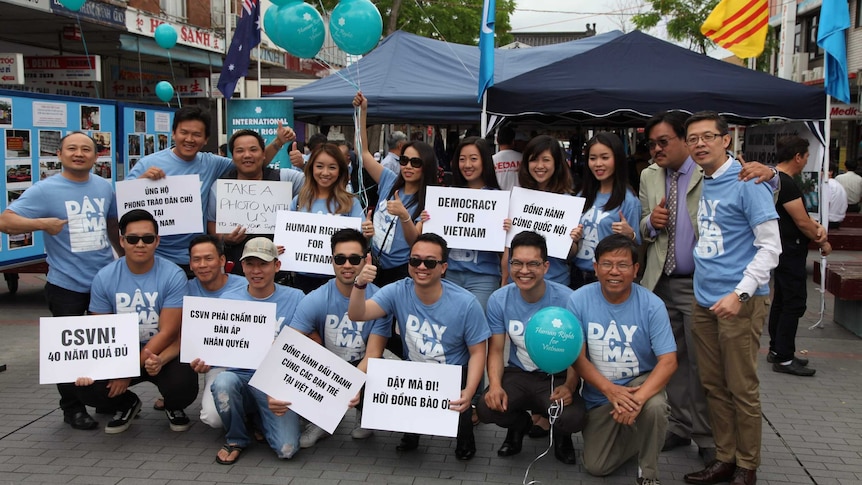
[
  {"x": 368, "y": 225},
  {"x": 368, "y": 273},
  {"x": 396, "y": 208},
  {"x": 623, "y": 227},
  {"x": 659, "y": 216}
]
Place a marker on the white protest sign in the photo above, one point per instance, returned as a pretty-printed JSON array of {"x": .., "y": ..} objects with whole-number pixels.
[
  {"x": 227, "y": 333},
  {"x": 467, "y": 218},
  {"x": 551, "y": 215},
  {"x": 96, "y": 346},
  {"x": 174, "y": 201},
  {"x": 317, "y": 383},
  {"x": 251, "y": 204},
  {"x": 412, "y": 397},
  {"x": 305, "y": 238}
]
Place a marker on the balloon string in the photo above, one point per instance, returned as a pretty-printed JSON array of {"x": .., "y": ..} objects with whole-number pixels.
[
  {"x": 174, "y": 78},
  {"x": 428, "y": 17},
  {"x": 357, "y": 147},
  {"x": 337, "y": 72},
  {"x": 554, "y": 412},
  {"x": 86, "y": 50}
]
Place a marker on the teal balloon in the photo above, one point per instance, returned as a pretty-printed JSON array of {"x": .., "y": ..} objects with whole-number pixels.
[
  {"x": 355, "y": 26},
  {"x": 164, "y": 91},
  {"x": 279, "y": 3},
  {"x": 271, "y": 25},
  {"x": 300, "y": 29},
  {"x": 73, "y": 5},
  {"x": 553, "y": 338},
  {"x": 166, "y": 36}
]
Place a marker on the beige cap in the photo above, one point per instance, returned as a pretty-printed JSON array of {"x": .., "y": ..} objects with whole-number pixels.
[{"x": 261, "y": 248}]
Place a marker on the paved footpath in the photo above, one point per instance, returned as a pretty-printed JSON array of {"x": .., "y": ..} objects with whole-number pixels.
[{"x": 812, "y": 430}]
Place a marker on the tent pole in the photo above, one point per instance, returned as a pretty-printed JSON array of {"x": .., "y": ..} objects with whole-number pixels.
[
  {"x": 824, "y": 206},
  {"x": 484, "y": 122}
]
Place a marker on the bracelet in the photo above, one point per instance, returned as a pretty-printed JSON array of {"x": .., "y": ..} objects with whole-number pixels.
[
  {"x": 360, "y": 287},
  {"x": 405, "y": 221}
]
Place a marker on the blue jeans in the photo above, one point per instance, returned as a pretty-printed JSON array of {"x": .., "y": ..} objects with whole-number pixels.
[
  {"x": 480, "y": 285},
  {"x": 234, "y": 397}
]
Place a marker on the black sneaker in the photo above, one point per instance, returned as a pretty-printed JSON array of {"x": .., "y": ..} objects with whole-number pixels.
[
  {"x": 179, "y": 420},
  {"x": 794, "y": 368},
  {"x": 123, "y": 418},
  {"x": 772, "y": 358}
]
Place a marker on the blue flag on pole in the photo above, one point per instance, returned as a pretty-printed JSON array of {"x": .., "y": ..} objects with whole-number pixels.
[
  {"x": 831, "y": 37},
  {"x": 245, "y": 38},
  {"x": 486, "y": 47}
]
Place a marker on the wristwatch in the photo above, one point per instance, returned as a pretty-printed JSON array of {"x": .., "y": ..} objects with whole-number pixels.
[
  {"x": 743, "y": 296},
  {"x": 774, "y": 172}
]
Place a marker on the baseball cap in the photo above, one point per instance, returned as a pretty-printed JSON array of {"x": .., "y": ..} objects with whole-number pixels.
[{"x": 261, "y": 248}]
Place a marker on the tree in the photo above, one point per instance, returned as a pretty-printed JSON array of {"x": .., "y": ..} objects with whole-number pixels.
[{"x": 683, "y": 20}]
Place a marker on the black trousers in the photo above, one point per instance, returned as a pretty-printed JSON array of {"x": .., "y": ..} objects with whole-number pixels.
[{"x": 788, "y": 301}]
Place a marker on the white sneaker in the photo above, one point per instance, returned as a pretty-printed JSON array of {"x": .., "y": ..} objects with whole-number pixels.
[
  {"x": 312, "y": 435},
  {"x": 360, "y": 433}
]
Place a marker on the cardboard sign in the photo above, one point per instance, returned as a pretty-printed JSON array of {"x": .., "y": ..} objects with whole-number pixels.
[
  {"x": 467, "y": 218},
  {"x": 317, "y": 383},
  {"x": 305, "y": 238},
  {"x": 227, "y": 333},
  {"x": 551, "y": 215},
  {"x": 96, "y": 346},
  {"x": 251, "y": 204},
  {"x": 174, "y": 201},
  {"x": 412, "y": 397}
]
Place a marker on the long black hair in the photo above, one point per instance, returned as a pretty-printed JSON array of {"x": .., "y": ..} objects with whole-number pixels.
[
  {"x": 489, "y": 175},
  {"x": 429, "y": 174},
  {"x": 591, "y": 183}
]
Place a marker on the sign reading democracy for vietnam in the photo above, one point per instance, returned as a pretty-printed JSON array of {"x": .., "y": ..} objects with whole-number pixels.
[
  {"x": 174, "y": 201},
  {"x": 412, "y": 397},
  {"x": 251, "y": 204},
  {"x": 317, "y": 383},
  {"x": 467, "y": 218},
  {"x": 551, "y": 215},
  {"x": 228, "y": 333},
  {"x": 96, "y": 346},
  {"x": 306, "y": 237}
]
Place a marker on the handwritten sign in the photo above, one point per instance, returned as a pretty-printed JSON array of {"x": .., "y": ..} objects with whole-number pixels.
[
  {"x": 306, "y": 237},
  {"x": 251, "y": 204},
  {"x": 551, "y": 215},
  {"x": 412, "y": 397},
  {"x": 229, "y": 333},
  {"x": 174, "y": 201},
  {"x": 317, "y": 383},
  {"x": 96, "y": 346},
  {"x": 468, "y": 218}
]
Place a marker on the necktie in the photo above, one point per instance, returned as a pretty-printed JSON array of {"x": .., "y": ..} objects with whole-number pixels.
[{"x": 670, "y": 262}]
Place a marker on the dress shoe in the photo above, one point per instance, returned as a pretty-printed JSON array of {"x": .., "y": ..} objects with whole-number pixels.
[
  {"x": 772, "y": 358},
  {"x": 672, "y": 441},
  {"x": 707, "y": 454},
  {"x": 793, "y": 368},
  {"x": 715, "y": 472},
  {"x": 515, "y": 437},
  {"x": 80, "y": 420},
  {"x": 564, "y": 449},
  {"x": 465, "y": 447},
  {"x": 743, "y": 476},
  {"x": 537, "y": 431},
  {"x": 409, "y": 442}
]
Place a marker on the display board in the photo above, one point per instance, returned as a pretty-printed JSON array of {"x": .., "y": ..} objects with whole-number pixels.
[{"x": 143, "y": 130}]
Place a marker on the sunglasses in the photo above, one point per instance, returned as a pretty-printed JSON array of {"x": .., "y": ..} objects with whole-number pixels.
[
  {"x": 133, "y": 240},
  {"x": 414, "y": 162},
  {"x": 340, "y": 259},
  {"x": 429, "y": 263},
  {"x": 661, "y": 142}
]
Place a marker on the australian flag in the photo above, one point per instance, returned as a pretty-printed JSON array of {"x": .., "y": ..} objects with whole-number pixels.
[{"x": 245, "y": 38}]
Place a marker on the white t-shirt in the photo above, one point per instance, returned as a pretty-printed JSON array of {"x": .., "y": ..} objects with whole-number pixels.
[{"x": 506, "y": 164}]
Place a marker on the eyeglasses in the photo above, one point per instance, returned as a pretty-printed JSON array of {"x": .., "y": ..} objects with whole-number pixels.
[
  {"x": 607, "y": 266},
  {"x": 340, "y": 259},
  {"x": 516, "y": 265},
  {"x": 133, "y": 240},
  {"x": 414, "y": 162},
  {"x": 661, "y": 142},
  {"x": 706, "y": 137},
  {"x": 429, "y": 263}
]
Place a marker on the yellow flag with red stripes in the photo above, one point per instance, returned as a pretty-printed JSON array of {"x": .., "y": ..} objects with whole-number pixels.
[{"x": 739, "y": 26}]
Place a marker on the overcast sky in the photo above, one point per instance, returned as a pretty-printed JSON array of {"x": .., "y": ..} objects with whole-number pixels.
[{"x": 571, "y": 15}]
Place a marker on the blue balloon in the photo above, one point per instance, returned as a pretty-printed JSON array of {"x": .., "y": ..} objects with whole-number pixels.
[
  {"x": 271, "y": 25},
  {"x": 553, "y": 338},
  {"x": 73, "y": 5},
  {"x": 166, "y": 36},
  {"x": 300, "y": 29},
  {"x": 164, "y": 91},
  {"x": 355, "y": 26}
]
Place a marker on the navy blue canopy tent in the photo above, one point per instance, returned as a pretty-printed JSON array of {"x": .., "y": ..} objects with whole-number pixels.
[{"x": 634, "y": 76}]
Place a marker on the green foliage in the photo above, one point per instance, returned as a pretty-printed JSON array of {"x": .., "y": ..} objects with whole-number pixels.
[{"x": 682, "y": 18}]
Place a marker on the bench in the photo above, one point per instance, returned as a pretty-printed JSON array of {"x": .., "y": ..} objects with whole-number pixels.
[
  {"x": 844, "y": 280},
  {"x": 852, "y": 220}
]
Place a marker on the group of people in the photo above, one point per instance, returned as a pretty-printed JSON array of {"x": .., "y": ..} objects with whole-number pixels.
[{"x": 667, "y": 361}]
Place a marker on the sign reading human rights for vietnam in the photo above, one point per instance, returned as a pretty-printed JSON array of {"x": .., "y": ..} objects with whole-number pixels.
[
  {"x": 468, "y": 218},
  {"x": 306, "y": 239}
]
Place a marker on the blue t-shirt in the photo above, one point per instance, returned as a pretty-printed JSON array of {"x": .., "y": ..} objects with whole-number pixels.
[
  {"x": 389, "y": 242},
  {"x": 726, "y": 216},
  {"x": 319, "y": 207},
  {"x": 597, "y": 225},
  {"x": 440, "y": 332},
  {"x": 207, "y": 166},
  {"x": 325, "y": 310},
  {"x": 508, "y": 313},
  {"x": 234, "y": 283},
  {"x": 622, "y": 341},
  {"x": 82, "y": 247},
  {"x": 472, "y": 261},
  {"x": 117, "y": 290}
]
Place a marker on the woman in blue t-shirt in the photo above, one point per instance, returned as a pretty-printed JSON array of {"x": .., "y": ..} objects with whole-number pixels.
[{"x": 611, "y": 207}]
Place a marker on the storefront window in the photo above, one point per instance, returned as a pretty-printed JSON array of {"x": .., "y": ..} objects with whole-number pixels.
[{"x": 174, "y": 8}]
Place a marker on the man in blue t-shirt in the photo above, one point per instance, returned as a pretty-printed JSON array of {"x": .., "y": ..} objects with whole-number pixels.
[
  {"x": 522, "y": 386},
  {"x": 628, "y": 357},
  {"x": 322, "y": 315},
  {"x": 438, "y": 321},
  {"x": 78, "y": 213},
  {"x": 738, "y": 246},
  {"x": 152, "y": 288}
]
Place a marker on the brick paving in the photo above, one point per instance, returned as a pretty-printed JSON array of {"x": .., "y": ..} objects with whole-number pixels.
[{"x": 812, "y": 431}]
